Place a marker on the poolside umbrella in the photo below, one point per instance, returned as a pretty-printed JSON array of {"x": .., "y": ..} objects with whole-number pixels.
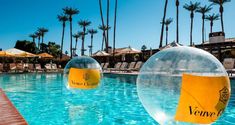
[
  {"x": 20, "y": 53},
  {"x": 128, "y": 50},
  {"x": 101, "y": 53},
  {"x": 45, "y": 55},
  {"x": 173, "y": 44},
  {"x": 5, "y": 54},
  {"x": 26, "y": 54}
]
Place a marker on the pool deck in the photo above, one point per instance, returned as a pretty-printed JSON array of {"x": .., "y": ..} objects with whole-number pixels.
[{"x": 8, "y": 113}]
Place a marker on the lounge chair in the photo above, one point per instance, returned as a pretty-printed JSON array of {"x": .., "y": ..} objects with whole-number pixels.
[
  {"x": 48, "y": 67},
  {"x": 38, "y": 68},
  {"x": 31, "y": 68},
  {"x": 105, "y": 67},
  {"x": 123, "y": 67},
  {"x": 12, "y": 67},
  {"x": 20, "y": 67},
  {"x": 116, "y": 67},
  {"x": 102, "y": 65},
  {"x": 131, "y": 66},
  {"x": 137, "y": 66},
  {"x": 1, "y": 68},
  {"x": 59, "y": 66},
  {"x": 229, "y": 65},
  {"x": 54, "y": 67}
]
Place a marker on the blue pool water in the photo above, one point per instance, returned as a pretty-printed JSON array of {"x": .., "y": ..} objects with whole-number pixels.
[{"x": 43, "y": 99}]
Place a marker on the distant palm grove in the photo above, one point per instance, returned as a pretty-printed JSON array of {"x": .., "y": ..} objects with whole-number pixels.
[
  {"x": 38, "y": 45},
  {"x": 193, "y": 7}
]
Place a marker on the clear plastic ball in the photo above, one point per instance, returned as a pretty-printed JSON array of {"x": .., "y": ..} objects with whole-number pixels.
[
  {"x": 82, "y": 73},
  {"x": 159, "y": 82}
]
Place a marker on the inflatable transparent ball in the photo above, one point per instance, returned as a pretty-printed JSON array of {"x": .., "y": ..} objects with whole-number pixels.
[
  {"x": 159, "y": 86},
  {"x": 82, "y": 73}
]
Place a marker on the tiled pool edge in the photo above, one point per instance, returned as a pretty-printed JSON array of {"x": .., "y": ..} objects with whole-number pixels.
[{"x": 8, "y": 113}]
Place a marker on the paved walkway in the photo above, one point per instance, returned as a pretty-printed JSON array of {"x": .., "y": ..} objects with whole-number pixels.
[{"x": 8, "y": 113}]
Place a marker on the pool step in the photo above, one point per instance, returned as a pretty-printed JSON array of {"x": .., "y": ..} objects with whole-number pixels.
[{"x": 8, "y": 113}]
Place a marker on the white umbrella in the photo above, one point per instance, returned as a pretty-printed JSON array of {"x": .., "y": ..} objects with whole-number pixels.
[
  {"x": 128, "y": 50},
  {"x": 173, "y": 44},
  {"x": 20, "y": 53},
  {"x": 101, "y": 53}
]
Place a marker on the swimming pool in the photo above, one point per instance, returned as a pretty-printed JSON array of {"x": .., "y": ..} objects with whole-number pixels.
[{"x": 43, "y": 99}]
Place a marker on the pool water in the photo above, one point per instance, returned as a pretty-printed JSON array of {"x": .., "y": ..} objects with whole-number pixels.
[{"x": 43, "y": 99}]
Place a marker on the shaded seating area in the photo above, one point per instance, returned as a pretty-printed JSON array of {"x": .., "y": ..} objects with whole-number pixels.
[{"x": 18, "y": 61}]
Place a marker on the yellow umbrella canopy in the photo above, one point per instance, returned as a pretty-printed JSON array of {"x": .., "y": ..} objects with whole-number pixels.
[
  {"x": 45, "y": 55},
  {"x": 25, "y": 54},
  {"x": 5, "y": 54}
]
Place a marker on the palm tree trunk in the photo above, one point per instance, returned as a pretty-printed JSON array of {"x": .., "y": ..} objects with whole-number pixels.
[
  {"x": 82, "y": 50},
  {"x": 107, "y": 42},
  {"x": 191, "y": 29},
  {"x": 62, "y": 41},
  {"x": 102, "y": 18},
  {"x": 177, "y": 21},
  {"x": 91, "y": 44},
  {"x": 166, "y": 35},
  {"x": 42, "y": 38},
  {"x": 221, "y": 17},
  {"x": 83, "y": 40},
  {"x": 39, "y": 43},
  {"x": 114, "y": 29},
  {"x": 103, "y": 40},
  {"x": 211, "y": 24},
  {"x": 163, "y": 20},
  {"x": 76, "y": 43},
  {"x": 71, "y": 40},
  {"x": 203, "y": 29}
]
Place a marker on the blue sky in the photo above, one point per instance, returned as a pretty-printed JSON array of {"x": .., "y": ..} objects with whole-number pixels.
[{"x": 138, "y": 21}]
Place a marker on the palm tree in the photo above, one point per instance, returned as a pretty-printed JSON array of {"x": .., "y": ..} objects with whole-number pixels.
[
  {"x": 70, "y": 12},
  {"x": 221, "y": 9},
  {"x": 107, "y": 32},
  {"x": 212, "y": 18},
  {"x": 102, "y": 20},
  {"x": 114, "y": 28},
  {"x": 39, "y": 38},
  {"x": 103, "y": 28},
  {"x": 63, "y": 19},
  {"x": 203, "y": 10},
  {"x": 177, "y": 3},
  {"x": 167, "y": 23},
  {"x": 192, "y": 7},
  {"x": 76, "y": 36},
  {"x": 83, "y": 24},
  {"x": 42, "y": 30},
  {"x": 92, "y": 32},
  {"x": 163, "y": 20},
  {"x": 82, "y": 34},
  {"x": 33, "y": 36}
]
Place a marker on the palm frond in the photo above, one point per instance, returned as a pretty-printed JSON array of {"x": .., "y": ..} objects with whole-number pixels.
[
  {"x": 204, "y": 9},
  {"x": 191, "y": 6},
  {"x": 92, "y": 31},
  {"x": 70, "y": 11},
  {"x": 212, "y": 17},
  {"x": 62, "y": 18},
  {"x": 84, "y": 23},
  {"x": 219, "y": 2}
]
